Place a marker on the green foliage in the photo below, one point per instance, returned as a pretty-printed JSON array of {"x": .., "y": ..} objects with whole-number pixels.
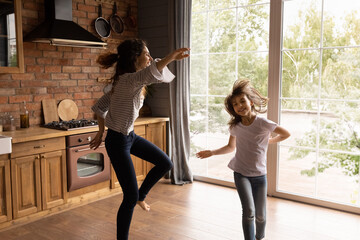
[
  {"x": 337, "y": 136},
  {"x": 213, "y": 62},
  {"x": 340, "y": 66},
  {"x": 13, "y": 61}
]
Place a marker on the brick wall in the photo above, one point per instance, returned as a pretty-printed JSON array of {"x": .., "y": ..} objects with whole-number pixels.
[{"x": 61, "y": 72}]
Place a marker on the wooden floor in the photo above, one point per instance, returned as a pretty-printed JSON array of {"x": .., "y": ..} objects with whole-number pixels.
[{"x": 195, "y": 211}]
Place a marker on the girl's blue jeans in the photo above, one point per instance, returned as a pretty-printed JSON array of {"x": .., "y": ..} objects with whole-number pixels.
[
  {"x": 119, "y": 147},
  {"x": 252, "y": 192}
]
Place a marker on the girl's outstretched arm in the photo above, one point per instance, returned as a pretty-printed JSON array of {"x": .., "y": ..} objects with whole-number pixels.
[
  {"x": 282, "y": 134},
  {"x": 223, "y": 150}
]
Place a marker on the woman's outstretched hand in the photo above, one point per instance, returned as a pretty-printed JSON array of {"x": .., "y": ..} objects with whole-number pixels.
[
  {"x": 204, "y": 154},
  {"x": 179, "y": 54}
]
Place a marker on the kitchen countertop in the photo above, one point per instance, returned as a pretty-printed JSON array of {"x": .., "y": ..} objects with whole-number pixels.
[{"x": 39, "y": 133}]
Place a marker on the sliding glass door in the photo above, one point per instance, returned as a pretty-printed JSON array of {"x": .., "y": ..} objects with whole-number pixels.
[
  {"x": 229, "y": 41},
  {"x": 305, "y": 56},
  {"x": 319, "y": 102}
]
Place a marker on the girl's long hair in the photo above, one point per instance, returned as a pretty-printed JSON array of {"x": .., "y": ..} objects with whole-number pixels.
[
  {"x": 127, "y": 53},
  {"x": 243, "y": 86}
]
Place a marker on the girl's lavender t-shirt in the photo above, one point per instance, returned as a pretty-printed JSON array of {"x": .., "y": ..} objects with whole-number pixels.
[{"x": 251, "y": 147}]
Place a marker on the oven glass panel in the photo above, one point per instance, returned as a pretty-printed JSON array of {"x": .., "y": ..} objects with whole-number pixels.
[{"x": 90, "y": 164}]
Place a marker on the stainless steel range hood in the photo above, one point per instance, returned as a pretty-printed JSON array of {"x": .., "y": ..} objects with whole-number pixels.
[{"x": 59, "y": 29}]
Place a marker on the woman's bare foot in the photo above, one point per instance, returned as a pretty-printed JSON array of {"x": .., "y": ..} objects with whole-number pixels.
[{"x": 144, "y": 205}]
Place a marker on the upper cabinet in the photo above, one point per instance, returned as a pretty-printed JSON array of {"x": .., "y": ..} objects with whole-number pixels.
[{"x": 11, "y": 39}]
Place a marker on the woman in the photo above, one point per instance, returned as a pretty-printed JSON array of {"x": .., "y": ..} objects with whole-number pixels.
[{"x": 118, "y": 109}]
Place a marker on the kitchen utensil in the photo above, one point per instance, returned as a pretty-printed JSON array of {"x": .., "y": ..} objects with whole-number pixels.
[
  {"x": 102, "y": 26},
  {"x": 130, "y": 20},
  {"x": 68, "y": 110},
  {"x": 49, "y": 110},
  {"x": 116, "y": 22}
]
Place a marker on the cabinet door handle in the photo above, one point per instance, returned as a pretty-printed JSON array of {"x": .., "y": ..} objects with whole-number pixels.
[{"x": 40, "y": 146}]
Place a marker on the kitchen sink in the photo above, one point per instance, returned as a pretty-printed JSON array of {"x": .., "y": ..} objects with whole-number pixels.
[{"x": 5, "y": 144}]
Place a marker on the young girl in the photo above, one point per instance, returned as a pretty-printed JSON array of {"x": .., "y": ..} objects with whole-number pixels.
[
  {"x": 250, "y": 136},
  {"x": 118, "y": 108}
]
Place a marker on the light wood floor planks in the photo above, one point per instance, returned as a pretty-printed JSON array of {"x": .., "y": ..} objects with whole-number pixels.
[{"x": 198, "y": 211}]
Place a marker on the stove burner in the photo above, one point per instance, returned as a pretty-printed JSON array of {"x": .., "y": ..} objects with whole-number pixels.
[{"x": 71, "y": 125}]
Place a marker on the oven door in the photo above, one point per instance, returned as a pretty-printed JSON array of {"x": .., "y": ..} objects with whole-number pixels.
[{"x": 86, "y": 166}]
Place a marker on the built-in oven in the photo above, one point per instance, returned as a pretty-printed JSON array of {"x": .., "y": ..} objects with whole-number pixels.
[{"x": 86, "y": 166}]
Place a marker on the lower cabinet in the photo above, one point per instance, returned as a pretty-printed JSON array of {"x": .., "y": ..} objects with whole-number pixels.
[
  {"x": 38, "y": 180},
  {"x": 33, "y": 176},
  {"x": 155, "y": 133},
  {"x": 139, "y": 164},
  {"x": 53, "y": 178},
  {"x": 26, "y": 185},
  {"x": 5, "y": 189}
]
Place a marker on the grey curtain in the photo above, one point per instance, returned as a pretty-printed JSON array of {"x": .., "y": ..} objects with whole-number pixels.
[{"x": 179, "y": 18}]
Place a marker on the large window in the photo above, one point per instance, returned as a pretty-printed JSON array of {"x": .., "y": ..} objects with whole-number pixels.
[
  {"x": 229, "y": 41},
  {"x": 313, "y": 84},
  {"x": 320, "y": 92}
]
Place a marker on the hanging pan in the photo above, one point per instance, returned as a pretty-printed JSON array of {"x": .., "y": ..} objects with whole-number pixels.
[
  {"x": 102, "y": 26},
  {"x": 130, "y": 19},
  {"x": 116, "y": 22}
]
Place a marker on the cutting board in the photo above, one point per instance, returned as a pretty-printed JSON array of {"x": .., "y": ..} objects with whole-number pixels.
[
  {"x": 49, "y": 110},
  {"x": 68, "y": 110}
]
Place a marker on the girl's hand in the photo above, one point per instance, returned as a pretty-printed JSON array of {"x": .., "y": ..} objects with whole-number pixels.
[
  {"x": 95, "y": 143},
  {"x": 282, "y": 134},
  {"x": 204, "y": 154}
]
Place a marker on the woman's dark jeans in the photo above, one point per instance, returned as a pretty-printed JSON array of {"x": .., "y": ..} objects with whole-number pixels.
[
  {"x": 119, "y": 147},
  {"x": 252, "y": 193}
]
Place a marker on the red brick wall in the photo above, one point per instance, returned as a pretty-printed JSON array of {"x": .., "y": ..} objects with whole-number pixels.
[{"x": 61, "y": 72}]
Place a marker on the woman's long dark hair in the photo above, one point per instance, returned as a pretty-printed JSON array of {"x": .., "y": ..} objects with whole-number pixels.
[
  {"x": 243, "y": 86},
  {"x": 125, "y": 58}
]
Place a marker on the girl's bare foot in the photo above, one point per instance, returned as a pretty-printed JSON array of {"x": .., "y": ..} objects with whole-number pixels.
[{"x": 144, "y": 205}]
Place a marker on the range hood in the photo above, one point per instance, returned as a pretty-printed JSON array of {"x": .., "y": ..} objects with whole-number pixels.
[{"x": 58, "y": 28}]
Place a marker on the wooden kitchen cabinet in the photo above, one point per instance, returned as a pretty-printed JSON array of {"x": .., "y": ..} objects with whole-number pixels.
[
  {"x": 5, "y": 189},
  {"x": 38, "y": 176},
  {"x": 139, "y": 164},
  {"x": 155, "y": 133},
  {"x": 26, "y": 185},
  {"x": 53, "y": 178}
]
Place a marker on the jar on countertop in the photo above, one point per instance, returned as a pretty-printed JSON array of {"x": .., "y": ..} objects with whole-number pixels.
[
  {"x": 8, "y": 122},
  {"x": 24, "y": 116}
]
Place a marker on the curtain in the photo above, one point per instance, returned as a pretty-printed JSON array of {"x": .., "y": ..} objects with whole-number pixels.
[{"x": 179, "y": 18}]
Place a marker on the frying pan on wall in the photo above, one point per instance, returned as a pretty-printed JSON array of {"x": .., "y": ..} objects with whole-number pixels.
[
  {"x": 116, "y": 22},
  {"x": 130, "y": 19},
  {"x": 102, "y": 26}
]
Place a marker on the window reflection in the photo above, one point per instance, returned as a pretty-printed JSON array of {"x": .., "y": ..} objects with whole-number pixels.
[
  {"x": 90, "y": 164},
  {"x": 8, "y": 56}
]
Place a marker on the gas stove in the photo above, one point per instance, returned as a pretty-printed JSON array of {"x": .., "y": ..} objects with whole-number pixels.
[{"x": 72, "y": 124}]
